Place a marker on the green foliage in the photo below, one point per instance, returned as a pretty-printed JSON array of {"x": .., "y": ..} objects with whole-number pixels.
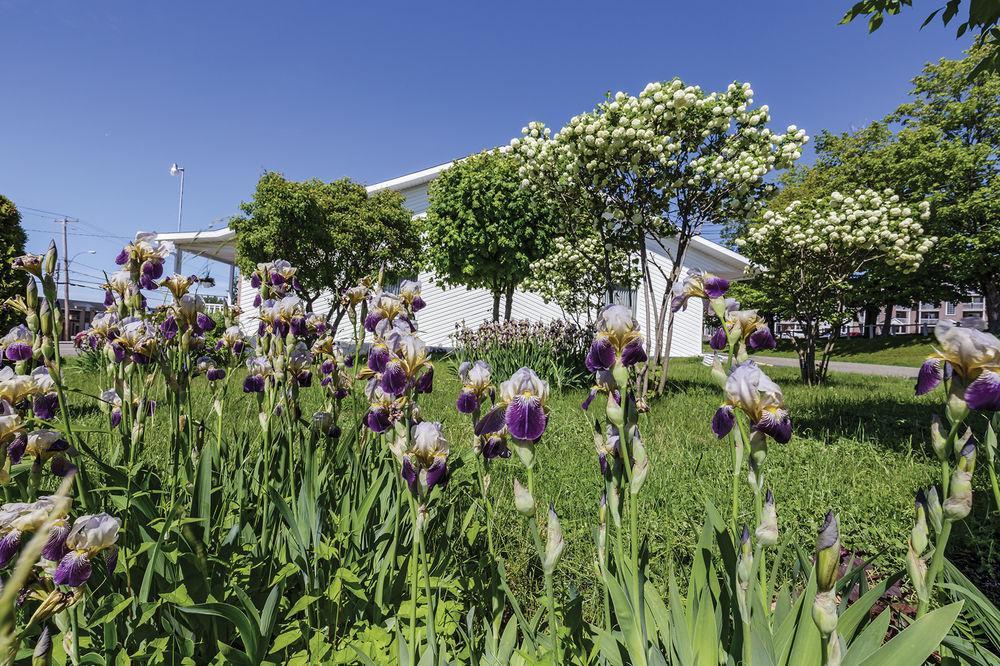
[
  {"x": 334, "y": 233},
  {"x": 12, "y": 239},
  {"x": 983, "y": 16},
  {"x": 482, "y": 229}
]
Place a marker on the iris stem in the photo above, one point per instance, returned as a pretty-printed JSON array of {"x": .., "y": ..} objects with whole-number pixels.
[
  {"x": 937, "y": 563},
  {"x": 414, "y": 574}
]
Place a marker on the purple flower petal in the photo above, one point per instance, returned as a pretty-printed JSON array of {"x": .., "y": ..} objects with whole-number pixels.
[
  {"x": 18, "y": 351},
  {"x": 109, "y": 298},
  {"x": 372, "y": 320},
  {"x": 761, "y": 339},
  {"x": 525, "y": 418},
  {"x": 304, "y": 379},
  {"x": 409, "y": 474},
  {"x": 425, "y": 382},
  {"x": 723, "y": 421},
  {"x": 601, "y": 355},
  {"x": 255, "y": 280},
  {"x": 299, "y": 326},
  {"x": 633, "y": 353},
  {"x": 493, "y": 421},
  {"x": 393, "y": 379},
  {"x": 74, "y": 570},
  {"x": 929, "y": 376},
  {"x": 327, "y": 366},
  {"x": 257, "y": 301},
  {"x": 122, "y": 257},
  {"x": 378, "y": 356},
  {"x": 775, "y": 424},
  {"x": 437, "y": 473},
  {"x": 61, "y": 466},
  {"x": 715, "y": 286},
  {"x": 495, "y": 447},
  {"x": 719, "y": 341},
  {"x": 8, "y": 546},
  {"x": 585, "y": 405},
  {"x": 377, "y": 420},
  {"x": 116, "y": 417},
  {"x": 678, "y": 303},
  {"x": 418, "y": 304},
  {"x": 111, "y": 559},
  {"x": 984, "y": 393},
  {"x": 169, "y": 327},
  {"x": 253, "y": 384},
  {"x": 467, "y": 402},
  {"x": 16, "y": 448},
  {"x": 55, "y": 547},
  {"x": 215, "y": 374},
  {"x": 44, "y": 406},
  {"x": 204, "y": 323}
]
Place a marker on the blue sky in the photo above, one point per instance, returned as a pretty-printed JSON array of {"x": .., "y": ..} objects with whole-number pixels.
[{"x": 100, "y": 98}]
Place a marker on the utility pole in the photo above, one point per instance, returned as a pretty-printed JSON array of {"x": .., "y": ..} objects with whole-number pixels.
[{"x": 65, "y": 253}]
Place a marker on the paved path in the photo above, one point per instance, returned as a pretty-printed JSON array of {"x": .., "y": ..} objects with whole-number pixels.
[{"x": 844, "y": 366}]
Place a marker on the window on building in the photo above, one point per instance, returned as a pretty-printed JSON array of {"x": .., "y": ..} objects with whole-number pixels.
[
  {"x": 977, "y": 314},
  {"x": 929, "y": 306},
  {"x": 976, "y": 300},
  {"x": 902, "y": 314},
  {"x": 928, "y": 316},
  {"x": 949, "y": 308}
]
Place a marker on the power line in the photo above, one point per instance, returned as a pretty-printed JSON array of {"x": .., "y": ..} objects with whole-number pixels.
[{"x": 78, "y": 233}]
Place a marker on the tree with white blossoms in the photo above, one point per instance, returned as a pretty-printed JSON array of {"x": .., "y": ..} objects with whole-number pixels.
[
  {"x": 570, "y": 278},
  {"x": 813, "y": 254},
  {"x": 638, "y": 170}
]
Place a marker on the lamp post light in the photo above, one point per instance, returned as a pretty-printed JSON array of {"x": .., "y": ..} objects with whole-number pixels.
[{"x": 178, "y": 171}]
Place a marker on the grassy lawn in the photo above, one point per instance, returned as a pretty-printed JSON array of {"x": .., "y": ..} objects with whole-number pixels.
[
  {"x": 861, "y": 447},
  {"x": 910, "y": 350}
]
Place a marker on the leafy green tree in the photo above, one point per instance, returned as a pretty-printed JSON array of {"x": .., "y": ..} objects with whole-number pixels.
[
  {"x": 483, "y": 230},
  {"x": 334, "y": 233},
  {"x": 982, "y": 16},
  {"x": 12, "y": 239}
]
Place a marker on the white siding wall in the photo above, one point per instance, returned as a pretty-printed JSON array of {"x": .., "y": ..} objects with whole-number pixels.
[{"x": 447, "y": 307}]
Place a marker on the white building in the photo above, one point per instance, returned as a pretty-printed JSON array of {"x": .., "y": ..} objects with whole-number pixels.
[{"x": 447, "y": 307}]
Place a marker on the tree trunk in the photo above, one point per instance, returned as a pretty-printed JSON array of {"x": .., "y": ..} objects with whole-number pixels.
[
  {"x": 807, "y": 352},
  {"x": 870, "y": 329},
  {"x": 990, "y": 289},
  {"x": 510, "y": 302},
  {"x": 496, "y": 305},
  {"x": 675, "y": 273},
  {"x": 887, "y": 324}
]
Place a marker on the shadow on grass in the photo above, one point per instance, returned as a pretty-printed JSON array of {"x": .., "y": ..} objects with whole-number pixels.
[{"x": 889, "y": 423}]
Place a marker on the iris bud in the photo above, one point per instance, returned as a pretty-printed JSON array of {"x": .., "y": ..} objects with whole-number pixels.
[
  {"x": 49, "y": 261},
  {"x": 718, "y": 372},
  {"x": 934, "y": 510},
  {"x": 42, "y": 654},
  {"x": 937, "y": 439},
  {"x": 523, "y": 501},
  {"x": 918, "y": 535},
  {"x": 554, "y": 543},
  {"x": 525, "y": 451},
  {"x": 827, "y": 553},
  {"x": 916, "y": 567},
  {"x": 31, "y": 294},
  {"x": 614, "y": 503},
  {"x": 640, "y": 470},
  {"x": 45, "y": 318},
  {"x": 824, "y": 612},
  {"x": 620, "y": 373},
  {"x": 959, "y": 502},
  {"x": 767, "y": 530},
  {"x": 956, "y": 408},
  {"x": 615, "y": 412},
  {"x": 744, "y": 567},
  {"x": 960, "y": 442}
]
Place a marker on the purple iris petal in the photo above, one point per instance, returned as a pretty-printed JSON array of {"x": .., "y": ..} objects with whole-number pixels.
[
  {"x": 425, "y": 382},
  {"x": 929, "y": 376},
  {"x": 280, "y": 328},
  {"x": 467, "y": 402},
  {"x": 984, "y": 393},
  {"x": 296, "y": 285},
  {"x": 277, "y": 279},
  {"x": 393, "y": 379},
  {"x": 777, "y": 425},
  {"x": 18, "y": 351},
  {"x": 122, "y": 257},
  {"x": 585, "y": 405},
  {"x": 16, "y": 448},
  {"x": 304, "y": 379},
  {"x": 215, "y": 374},
  {"x": 715, "y": 286},
  {"x": 601, "y": 355},
  {"x": 719, "y": 341},
  {"x": 299, "y": 326},
  {"x": 418, "y": 304},
  {"x": 495, "y": 447},
  {"x": 437, "y": 473},
  {"x": 151, "y": 407},
  {"x": 8, "y": 546},
  {"x": 602, "y": 461},
  {"x": 55, "y": 547},
  {"x": 257, "y": 300},
  {"x": 116, "y": 417},
  {"x": 118, "y": 351},
  {"x": 255, "y": 280},
  {"x": 204, "y": 322},
  {"x": 253, "y": 384},
  {"x": 409, "y": 473},
  {"x": 261, "y": 328},
  {"x": 111, "y": 559},
  {"x": 169, "y": 327},
  {"x": 492, "y": 422},
  {"x": 326, "y": 381},
  {"x": 109, "y": 298},
  {"x": 61, "y": 466},
  {"x": 633, "y": 353},
  {"x": 238, "y": 347},
  {"x": 378, "y": 356},
  {"x": 74, "y": 570},
  {"x": 377, "y": 419},
  {"x": 723, "y": 421},
  {"x": 372, "y": 320},
  {"x": 327, "y": 366},
  {"x": 44, "y": 406},
  {"x": 678, "y": 303},
  {"x": 141, "y": 359},
  {"x": 525, "y": 418},
  {"x": 761, "y": 339}
]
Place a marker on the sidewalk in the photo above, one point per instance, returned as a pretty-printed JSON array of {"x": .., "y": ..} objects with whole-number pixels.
[{"x": 844, "y": 366}]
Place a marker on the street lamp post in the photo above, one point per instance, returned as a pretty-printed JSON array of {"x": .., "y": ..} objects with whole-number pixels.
[
  {"x": 178, "y": 171},
  {"x": 66, "y": 290}
]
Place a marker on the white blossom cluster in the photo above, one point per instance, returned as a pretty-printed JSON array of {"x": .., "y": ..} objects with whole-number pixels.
[
  {"x": 638, "y": 150},
  {"x": 570, "y": 278},
  {"x": 863, "y": 221}
]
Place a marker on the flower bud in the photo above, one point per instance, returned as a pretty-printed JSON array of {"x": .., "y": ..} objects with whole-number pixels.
[
  {"x": 937, "y": 439},
  {"x": 602, "y": 530},
  {"x": 42, "y": 654},
  {"x": 961, "y": 442},
  {"x": 45, "y": 318},
  {"x": 640, "y": 470},
  {"x": 718, "y": 372},
  {"x": 934, "y": 511},
  {"x": 967, "y": 455},
  {"x": 49, "y": 261},
  {"x": 615, "y": 503},
  {"x": 824, "y": 612},
  {"x": 955, "y": 407},
  {"x": 959, "y": 502},
  {"x": 767, "y": 530},
  {"x": 525, "y": 449},
  {"x": 917, "y": 569},
  {"x": 31, "y": 295},
  {"x": 554, "y": 543},
  {"x": 615, "y": 412},
  {"x": 744, "y": 566},
  {"x": 918, "y": 535},
  {"x": 523, "y": 500},
  {"x": 827, "y": 553}
]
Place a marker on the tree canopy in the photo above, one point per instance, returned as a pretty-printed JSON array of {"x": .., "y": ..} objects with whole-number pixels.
[
  {"x": 12, "y": 240},
  {"x": 335, "y": 233},
  {"x": 482, "y": 229}
]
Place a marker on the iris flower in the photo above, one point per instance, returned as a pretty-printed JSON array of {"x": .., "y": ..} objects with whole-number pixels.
[
  {"x": 749, "y": 328},
  {"x": 753, "y": 392},
  {"x": 425, "y": 463},
  {"x": 179, "y": 285},
  {"x": 409, "y": 293},
  {"x": 970, "y": 355},
  {"x": 17, "y": 343},
  {"x": 89, "y": 536},
  {"x": 383, "y": 307},
  {"x": 618, "y": 340},
  {"x": 20, "y": 518},
  {"x": 476, "y": 385},
  {"x": 521, "y": 407},
  {"x": 698, "y": 285},
  {"x": 42, "y": 446}
]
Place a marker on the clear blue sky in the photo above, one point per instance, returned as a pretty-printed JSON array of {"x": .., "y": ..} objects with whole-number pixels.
[{"x": 101, "y": 97}]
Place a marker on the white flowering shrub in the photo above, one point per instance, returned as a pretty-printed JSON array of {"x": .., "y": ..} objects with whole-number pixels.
[{"x": 813, "y": 255}]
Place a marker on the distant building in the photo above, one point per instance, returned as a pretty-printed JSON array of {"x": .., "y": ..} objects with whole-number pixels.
[{"x": 81, "y": 313}]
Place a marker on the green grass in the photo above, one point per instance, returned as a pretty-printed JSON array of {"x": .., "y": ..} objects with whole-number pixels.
[
  {"x": 861, "y": 447},
  {"x": 909, "y": 350}
]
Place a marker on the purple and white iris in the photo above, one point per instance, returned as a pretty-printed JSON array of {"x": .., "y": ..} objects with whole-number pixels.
[
  {"x": 750, "y": 390},
  {"x": 17, "y": 344},
  {"x": 89, "y": 536},
  {"x": 618, "y": 340},
  {"x": 425, "y": 463},
  {"x": 476, "y": 386},
  {"x": 966, "y": 355},
  {"x": 521, "y": 408},
  {"x": 698, "y": 285}
]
